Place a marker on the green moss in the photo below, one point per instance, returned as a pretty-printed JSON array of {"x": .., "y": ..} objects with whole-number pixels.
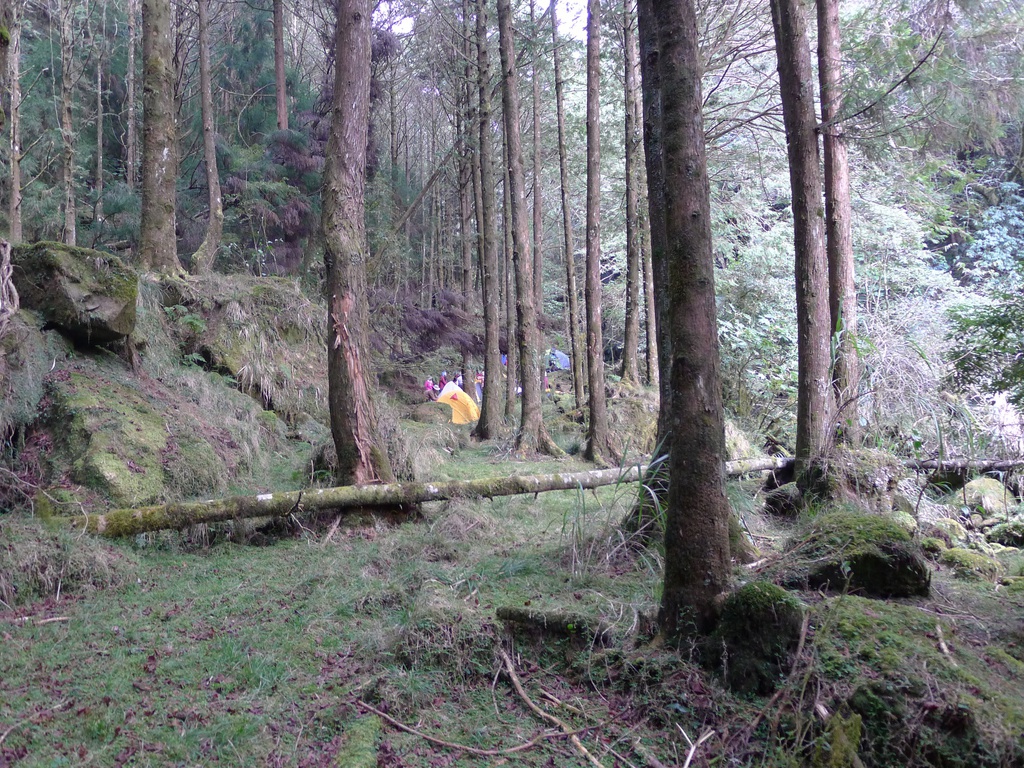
[
  {"x": 967, "y": 564},
  {"x": 360, "y": 746},
  {"x": 109, "y": 434},
  {"x": 949, "y": 530},
  {"x": 838, "y": 748},
  {"x": 759, "y": 628},
  {"x": 867, "y": 553},
  {"x": 1010, "y": 534},
  {"x": 933, "y": 545}
]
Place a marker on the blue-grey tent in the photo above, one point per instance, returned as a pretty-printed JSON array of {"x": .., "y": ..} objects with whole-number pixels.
[{"x": 558, "y": 361}]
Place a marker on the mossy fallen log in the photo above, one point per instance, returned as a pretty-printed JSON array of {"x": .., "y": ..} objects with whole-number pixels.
[
  {"x": 128, "y": 522},
  {"x": 550, "y": 623}
]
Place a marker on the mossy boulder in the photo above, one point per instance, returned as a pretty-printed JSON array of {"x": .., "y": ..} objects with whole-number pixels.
[
  {"x": 88, "y": 294},
  {"x": 786, "y": 501},
  {"x": 988, "y": 496},
  {"x": 111, "y": 436},
  {"x": 970, "y": 565},
  {"x": 1009, "y": 534},
  {"x": 949, "y": 530},
  {"x": 856, "y": 477},
  {"x": 870, "y": 554},
  {"x": 758, "y": 631},
  {"x": 26, "y": 356},
  {"x": 933, "y": 546}
]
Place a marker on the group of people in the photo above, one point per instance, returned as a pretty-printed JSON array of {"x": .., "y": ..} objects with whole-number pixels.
[{"x": 432, "y": 389}]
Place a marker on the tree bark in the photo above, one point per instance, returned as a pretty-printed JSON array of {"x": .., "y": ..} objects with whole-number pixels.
[
  {"x": 572, "y": 329},
  {"x": 487, "y": 238},
  {"x": 158, "y": 242},
  {"x": 361, "y": 457},
  {"x": 97, "y": 210},
  {"x": 511, "y": 345},
  {"x": 814, "y": 401},
  {"x": 697, "y": 562},
  {"x": 281, "y": 88},
  {"x": 645, "y": 517},
  {"x": 838, "y": 219},
  {"x": 68, "y": 78},
  {"x": 202, "y": 260},
  {"x": 538, "y": 211},
  {"x": 631, "y": 337},
  {"x": 532, "y": 435},
  {"x": 599, "y": 448},
  {"x": 131, "y": 143},
  {"x": 14, "y": 76}
]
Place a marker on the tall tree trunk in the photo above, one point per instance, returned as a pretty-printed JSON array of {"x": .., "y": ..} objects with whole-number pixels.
[
  {"x": 650, "y": 319},
  {"x": 532, "y": 435},
  {"x": 839, "y": 239},
  {"x": 131, "y": 144},
  {"x": 599, "y": 448},
  {"x": 361, "y": 457},
  {"x": 158, "y": 242},
  {"x": 280, "y": 84},
  {"x": 202, "y": 260},
  {"x": 487, "y": 231},
  {"x": 97, "y": 209},
  {"x": 14, "y": 69},
  {"x": 572, "y": 304},
  {"x": 697, "y": 563},
  {"x": 68, "y": 78},
  {"x": 631, "y": 338},
  {"x": 538, "y": 211},
  {"x": 511, "y": 349},
  {"x": 7, "y": 25},
  {"x": 645, "y": 518},
  {"x": 814, "y": 399}
]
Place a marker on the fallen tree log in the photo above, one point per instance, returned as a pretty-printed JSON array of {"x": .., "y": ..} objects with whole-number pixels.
[
  {"x": 952, "y": 465},
  {"x": 175, "y": 516},
  {"x": 179, "y": 515}
]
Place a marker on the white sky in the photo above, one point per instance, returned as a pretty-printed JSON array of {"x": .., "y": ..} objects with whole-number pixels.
[{"x": 572, "y": 17}]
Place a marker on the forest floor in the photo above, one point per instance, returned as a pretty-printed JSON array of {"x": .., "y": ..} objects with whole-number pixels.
[{"x": 216, "y": 652}]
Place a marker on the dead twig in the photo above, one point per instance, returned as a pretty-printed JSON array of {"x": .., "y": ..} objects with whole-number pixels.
[
  {"x": 694, "y": 747},
  {"x": 463, "y": 747},
  {"x": 510, "y": 668},
  {"x": 55, "y": 708}
]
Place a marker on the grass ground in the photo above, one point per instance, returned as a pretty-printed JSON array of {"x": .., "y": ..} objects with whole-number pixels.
[{"x": 223, "y": 653}]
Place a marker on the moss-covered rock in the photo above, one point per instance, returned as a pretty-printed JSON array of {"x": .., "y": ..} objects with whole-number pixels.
[
  {"x": 758, "y": 630},
  {"x": 786, "y": 501},
  {"x": 988, "y": 496},
  {"x": 27, "y": 354},
  {"x": 867, "y": 553},
  {"x": 971, "y": 565},
  {"x": 1010, "y": 534},
  {"x": 112, "y": 437},
  {"x": 88, "y": 294},
  {"x": 927, "y": 695},
  {"x": 861, "y": 478},
  {"x": 933, "y": 545},
  {"x": 949, "y": 530}
]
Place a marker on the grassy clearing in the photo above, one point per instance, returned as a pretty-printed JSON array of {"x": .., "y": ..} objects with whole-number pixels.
[{"x": 249, "y": 655}]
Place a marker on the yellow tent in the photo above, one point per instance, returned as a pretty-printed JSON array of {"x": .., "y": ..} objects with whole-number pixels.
[{"x": 464, "y": 410}]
